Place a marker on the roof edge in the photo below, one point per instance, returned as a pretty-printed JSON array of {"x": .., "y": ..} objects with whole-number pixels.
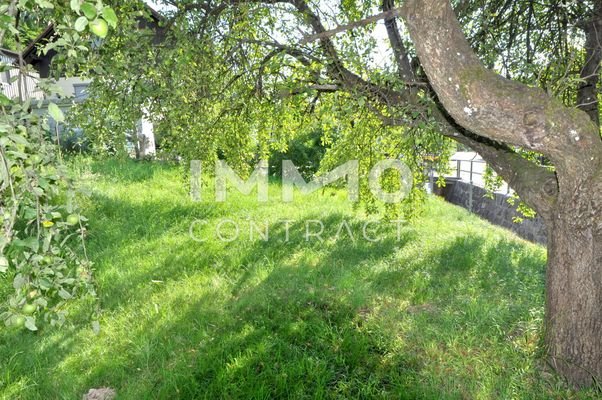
[{"x": 49, "y": 32}]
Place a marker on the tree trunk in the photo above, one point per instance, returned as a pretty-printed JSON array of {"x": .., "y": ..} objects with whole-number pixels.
[
  {"x": 494, "y": 116},
  {"x": 574, "y": 285},
  {"x": 570, "y": 200}
]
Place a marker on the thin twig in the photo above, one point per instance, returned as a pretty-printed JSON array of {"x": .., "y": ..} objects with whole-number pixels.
[{"x": 392, "y": 13}]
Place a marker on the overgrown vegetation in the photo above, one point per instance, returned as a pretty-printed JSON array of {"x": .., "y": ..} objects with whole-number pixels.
[
  {"x": 452, "y": 310},
  {"x": 41, "y": 230},
  {"x": 242, "y": 80}
]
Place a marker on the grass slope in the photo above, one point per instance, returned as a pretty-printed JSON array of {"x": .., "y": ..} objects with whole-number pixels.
[{"x": 453, "y": 310}]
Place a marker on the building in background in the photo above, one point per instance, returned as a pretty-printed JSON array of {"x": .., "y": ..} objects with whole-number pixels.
[
  {"x": 74, "y": 89},
  {"x": 12, "y": 87}
]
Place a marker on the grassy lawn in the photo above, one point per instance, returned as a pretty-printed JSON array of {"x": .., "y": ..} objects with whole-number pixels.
[{"x": 449, "y": 307}]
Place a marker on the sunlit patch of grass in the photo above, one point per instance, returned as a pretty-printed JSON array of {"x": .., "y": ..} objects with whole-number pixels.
[{"x": 452, "y": 310}]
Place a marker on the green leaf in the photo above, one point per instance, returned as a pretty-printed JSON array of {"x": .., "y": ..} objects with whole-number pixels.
[
  {"x": 47, "y": 242},
  {"x": 30, "y": 323},
  {"x": 75, "y": 5},
  {"x": 56, "y": 113},
  {"x": 44, "y": 4},
  {"x": 89, "y": 10},
  {"x": 64, "y": 294},
  {"x": 44, "y": 284},
  {"x": 18, "y": 154},
  {"x": 29, "y": 212},
  {"x": 4, "y": 101},
  {"x": 109, "y": 15},
  {"x": 19, "y": 281},
  {"x": 18, "y": 139},
  {"x": 81, "y": 23},
  {"x": 42, "y": 302},
  {"x": 3, "y": 264},
  {"x": 30, "y": 242}
]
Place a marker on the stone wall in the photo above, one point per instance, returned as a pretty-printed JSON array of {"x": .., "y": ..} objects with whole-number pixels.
[{"x": 497, "y": 210}]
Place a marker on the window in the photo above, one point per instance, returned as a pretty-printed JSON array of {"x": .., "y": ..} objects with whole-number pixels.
[{"x": 5, "y": 77}]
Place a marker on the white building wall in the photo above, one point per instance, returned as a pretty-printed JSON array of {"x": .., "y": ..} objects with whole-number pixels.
[
  {"x": 146, "y": 137},
  {"x": 28, "y": 84},
  {"x": 68, "y": 85}
]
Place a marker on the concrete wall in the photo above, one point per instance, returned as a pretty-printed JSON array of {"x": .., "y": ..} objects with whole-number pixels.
[
  {"x": 67, "y": 85},
  {"x": 30, "y": 89},
  {"x": 497, "y": 210}
]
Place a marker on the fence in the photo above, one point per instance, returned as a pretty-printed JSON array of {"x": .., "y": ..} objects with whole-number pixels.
[
  {"x": 472, "y": 169},
  {"x": 466, "y": 188}
]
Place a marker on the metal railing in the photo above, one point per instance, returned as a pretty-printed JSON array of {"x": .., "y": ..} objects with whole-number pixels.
[{"x": 473, "y": 171}]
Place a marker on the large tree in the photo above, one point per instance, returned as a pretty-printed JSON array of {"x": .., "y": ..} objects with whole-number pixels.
[
  {"x": 570, "y": 200},
  {"x": 238, "y": 65}
]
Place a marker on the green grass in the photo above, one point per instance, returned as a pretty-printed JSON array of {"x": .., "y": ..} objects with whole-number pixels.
[{"x": 453, "y": 310}]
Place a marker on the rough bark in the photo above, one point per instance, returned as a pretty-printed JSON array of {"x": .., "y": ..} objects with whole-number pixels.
[
  {"x": 574, "y": 285},
  {"x": 500, "y": 110},
  {"x": 574, "y": 275},
  {"x": 536, "y": 185}
]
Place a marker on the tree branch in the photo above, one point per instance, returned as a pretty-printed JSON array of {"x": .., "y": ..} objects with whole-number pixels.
[
  {"x": 502, "y": 110},
  {"x": 320, "y": 88},
  {"x": 388, "y": 14},
  {"x": 338, "y": 72},
  {"x": 537, "y": 186},
  {"x": 402, "y": 58}
]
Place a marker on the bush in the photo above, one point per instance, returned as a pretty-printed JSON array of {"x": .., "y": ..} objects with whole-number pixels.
[{"x": 306, "y": 152}]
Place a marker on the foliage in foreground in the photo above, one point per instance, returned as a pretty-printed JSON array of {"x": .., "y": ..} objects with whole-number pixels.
[
  {"x": 41, "y": 231},
  {"x": 453, "y": 310}
]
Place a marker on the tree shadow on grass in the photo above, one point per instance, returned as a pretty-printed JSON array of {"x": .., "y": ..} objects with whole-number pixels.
[
  {"x": 291, "y": 333},
  {"x": 338, "y": 251},
  {"x": 314, "y": 279},
  {"x": 318, "y": 319},
  {"x": 120, "y": 234},
  {"x": 476, "y": 308},
  {"x": 304, "y": 329},
  {"x": 469, "y": 265}
]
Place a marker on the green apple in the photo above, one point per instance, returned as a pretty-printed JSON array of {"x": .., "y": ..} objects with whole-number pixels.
[
  {"x": 99, "y": 27},
  {"x": 18, "y": 321},
  {"x": 73, "y": 219},
  {"x": 29, "y": 309}
]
